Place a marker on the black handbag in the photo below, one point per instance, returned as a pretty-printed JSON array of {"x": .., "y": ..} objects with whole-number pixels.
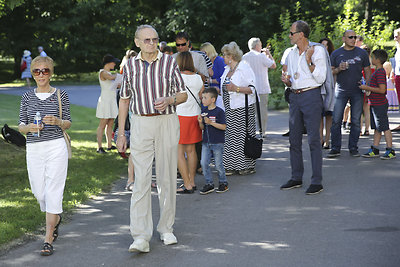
[
  {"x": 252, "y": 144},
  {"x": 13, "y": 136}
]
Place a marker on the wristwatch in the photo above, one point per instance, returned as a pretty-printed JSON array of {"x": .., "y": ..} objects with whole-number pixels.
[
  {"x": 310, "y": 64},
  {"x": 237, "y": 90}
]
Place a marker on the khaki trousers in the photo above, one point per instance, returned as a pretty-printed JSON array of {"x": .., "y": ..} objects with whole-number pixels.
[{"x": 151, "y": 137}]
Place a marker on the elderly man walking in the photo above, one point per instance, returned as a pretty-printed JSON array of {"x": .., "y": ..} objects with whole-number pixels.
[
  {"x": 260, "y": 61},
  {"x": 152, "y": 86},
  {"x": 306, "y": 72}
]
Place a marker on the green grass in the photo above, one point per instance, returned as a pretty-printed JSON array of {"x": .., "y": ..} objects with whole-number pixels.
[{"x": 88, "y": 172}]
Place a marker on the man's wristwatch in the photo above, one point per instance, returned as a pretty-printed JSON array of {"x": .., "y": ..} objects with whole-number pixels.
[{"x": 310, "y": 64}]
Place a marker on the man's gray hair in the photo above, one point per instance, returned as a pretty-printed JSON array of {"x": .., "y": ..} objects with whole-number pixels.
[
  {"x": 253, "y": 42},
  {"x": 302, "y": 26},
  {"x": 141, "y": 27}
]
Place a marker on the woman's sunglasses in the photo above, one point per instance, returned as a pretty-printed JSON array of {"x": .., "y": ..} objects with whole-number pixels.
[{"x": 45, "y": 71}]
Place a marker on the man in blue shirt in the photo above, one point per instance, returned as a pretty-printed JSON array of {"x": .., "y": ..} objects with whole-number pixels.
[{"x": 347, "y": 64}]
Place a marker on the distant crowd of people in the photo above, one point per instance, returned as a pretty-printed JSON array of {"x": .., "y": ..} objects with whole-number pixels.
[{"x": 189, "y": 111}]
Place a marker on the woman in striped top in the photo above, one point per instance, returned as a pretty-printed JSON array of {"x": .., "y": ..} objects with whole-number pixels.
[{"x": 46, "y": 150}]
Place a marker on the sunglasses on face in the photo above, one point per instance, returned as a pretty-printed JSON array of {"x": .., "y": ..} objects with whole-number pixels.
[
  {"x": 150, "y": 40},
  {"x": 183, "y": 44},
  {"x": 292, "y": 33},
  {"x": 45, "y": 71},
  {"x": 352, "y": 37}
]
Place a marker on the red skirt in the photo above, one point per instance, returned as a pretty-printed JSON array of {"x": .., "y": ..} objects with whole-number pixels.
[{"x": 190, "y": 132}]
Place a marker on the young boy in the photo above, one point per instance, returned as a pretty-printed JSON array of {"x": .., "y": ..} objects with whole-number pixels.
[
  {"x": 379, "y": 107},
  {"x": 212, "y": 122}
]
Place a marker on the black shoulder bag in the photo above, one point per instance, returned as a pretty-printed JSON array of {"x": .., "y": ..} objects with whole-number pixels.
[
  {"x": 252, "y": 145},
  {"x": 13, "y": 136}
]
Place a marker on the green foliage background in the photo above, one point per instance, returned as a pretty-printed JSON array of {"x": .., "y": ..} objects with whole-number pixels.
[{"x": 77, "y": 33}]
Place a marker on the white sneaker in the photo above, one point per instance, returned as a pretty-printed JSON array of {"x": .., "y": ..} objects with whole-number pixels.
[
  {"x": 139, "y": 245},
  {"x": 168, "y": 238}
]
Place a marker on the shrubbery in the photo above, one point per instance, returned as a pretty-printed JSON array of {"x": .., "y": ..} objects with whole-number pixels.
[{"x": 375, "y": 36}]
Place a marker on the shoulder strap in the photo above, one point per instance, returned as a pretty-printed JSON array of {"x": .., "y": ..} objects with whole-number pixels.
[
  {"x": 246, "y": 100},
  {"x": 187, "y": 88},
  {"x": 59, "y": 103}
]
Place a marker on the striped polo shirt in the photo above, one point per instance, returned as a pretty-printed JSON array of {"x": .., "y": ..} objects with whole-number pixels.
[
  {"x": 144, "y": 82},
  {"x": 378, "y": 77},
  {"x": 30, "y": 104}
]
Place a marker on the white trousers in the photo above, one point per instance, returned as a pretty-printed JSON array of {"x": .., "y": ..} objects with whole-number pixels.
[
  {"x": 151, "y": 137},
  {"x": 47, "y": 164},
  {"x": 263, "y": 111}
]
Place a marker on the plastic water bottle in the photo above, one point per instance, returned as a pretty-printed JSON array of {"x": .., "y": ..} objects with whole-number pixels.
[
  {"x": 37, "y": 120},
  {"x": 367, "y": 93},
  {"x": 363, "y": 80}
]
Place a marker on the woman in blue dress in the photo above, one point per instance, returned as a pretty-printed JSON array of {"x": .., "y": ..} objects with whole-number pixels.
[{"x": 26, "y": 62}]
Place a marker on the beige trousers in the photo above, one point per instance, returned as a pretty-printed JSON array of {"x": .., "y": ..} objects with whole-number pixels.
[{"x": 151, "y": 137}]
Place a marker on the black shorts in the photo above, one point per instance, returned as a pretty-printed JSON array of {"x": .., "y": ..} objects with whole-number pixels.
[{"x": 379, "y": 118}]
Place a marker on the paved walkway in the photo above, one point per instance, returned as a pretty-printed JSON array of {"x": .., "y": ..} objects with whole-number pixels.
[{"x": 355, "y": 221}]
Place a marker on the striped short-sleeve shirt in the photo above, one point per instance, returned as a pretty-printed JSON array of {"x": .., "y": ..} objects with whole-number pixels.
[
  {"x": 144, "y": 82},
  {"x": 378, "y": 77},
  {"x": 30, "y": 104}
]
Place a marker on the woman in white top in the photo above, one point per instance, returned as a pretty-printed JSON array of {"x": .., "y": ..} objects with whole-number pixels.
[
  {"x": 107, "y": 109},
  {"x": 190, "y": 132},
  {"x": 237, "y": 81}
]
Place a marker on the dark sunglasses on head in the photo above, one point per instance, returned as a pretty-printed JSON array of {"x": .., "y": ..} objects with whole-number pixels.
[
  {"x": 45, "y": 71},
  {"x": 184, "y": 44},
  {"x": 352, "y": 37}
]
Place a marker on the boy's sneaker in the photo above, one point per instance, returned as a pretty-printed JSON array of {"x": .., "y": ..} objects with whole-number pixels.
[
  {"x": 222, "y": 188},
  {"x": 208, "y": 188},
  {"x": 389, "y": 154},
  {"x": 372, "y": 153}
]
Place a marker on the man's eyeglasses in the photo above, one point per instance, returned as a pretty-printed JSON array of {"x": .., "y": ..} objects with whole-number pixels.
[
  {"x": 150, "y": 40},
  {"x": 292, "y": 33},
  {"x": 183, "y": 44},
  {"x": 45, "y": 71},
  {"x": 352, "y": 37}
]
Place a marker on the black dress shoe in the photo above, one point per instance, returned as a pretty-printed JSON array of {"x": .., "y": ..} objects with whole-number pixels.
[
  {"x": 291, "y": 184},
  {"x": 314, "y": 189},
  {"x": 111, "y": 148}
]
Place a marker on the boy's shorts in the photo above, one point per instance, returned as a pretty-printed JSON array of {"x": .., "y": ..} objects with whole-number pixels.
[{"x": 379, "y": 118}]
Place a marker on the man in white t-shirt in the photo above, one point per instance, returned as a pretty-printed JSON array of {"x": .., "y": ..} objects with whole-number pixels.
[{"x": 260, "y": 61}]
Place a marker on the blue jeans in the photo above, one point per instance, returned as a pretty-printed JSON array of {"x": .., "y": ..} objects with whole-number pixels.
[
  {"x": 356, "y": 102},
  {"x": 206, "y": 151}
]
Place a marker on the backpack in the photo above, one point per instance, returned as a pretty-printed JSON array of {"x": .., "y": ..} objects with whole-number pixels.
[{"x": 13, "y": 136}]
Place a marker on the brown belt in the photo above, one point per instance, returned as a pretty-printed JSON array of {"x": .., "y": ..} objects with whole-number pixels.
[
  {"x": 149, "y": 115},
  {"x": 299, "y": 91}
]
